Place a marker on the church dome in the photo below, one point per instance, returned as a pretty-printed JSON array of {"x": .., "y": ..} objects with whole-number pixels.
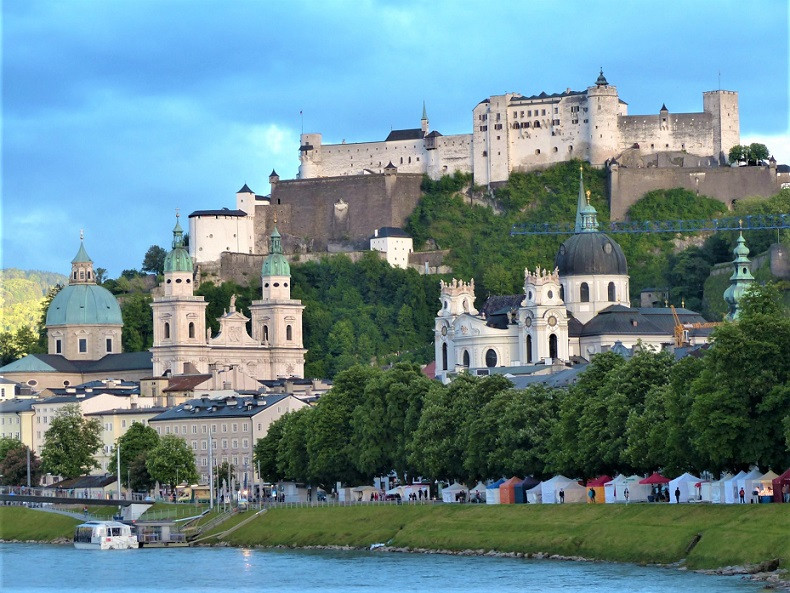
[
  {"x": 590, "y": 253},
  {"x": 84, "y": 304},
  {"x": 178, "y": 259},
  {"x": 275, "y": 263}
]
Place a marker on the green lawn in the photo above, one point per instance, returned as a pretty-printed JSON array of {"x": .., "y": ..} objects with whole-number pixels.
[
  {"x": 19, "y": 523},
  {"x": 634, "y": 533}
]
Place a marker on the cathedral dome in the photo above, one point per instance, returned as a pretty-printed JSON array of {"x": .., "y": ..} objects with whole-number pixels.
[
  {"x": 275, "y": 263},
  {"x": 178, "y": 259},
  {"x": 590, "y": 253},
  {"x": 84, "y": 304}
]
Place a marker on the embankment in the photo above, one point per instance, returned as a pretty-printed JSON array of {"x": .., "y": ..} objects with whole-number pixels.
[{"x": 640, "y": 533}]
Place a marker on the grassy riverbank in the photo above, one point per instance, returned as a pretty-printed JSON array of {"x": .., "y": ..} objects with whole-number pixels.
[
  {"x": 634, "y": 533},
  {"x": 643, "y": 533}
]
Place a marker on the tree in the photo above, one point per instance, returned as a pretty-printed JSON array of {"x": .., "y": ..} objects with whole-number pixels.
[
  {"x": 42, "y": 324},
  {"x": 171, "y": 462},
  {"x": 154, "y": 260},
  {"x": 139, "y": 478},
  {"x": 7, "y": 444},
  {"x": 757, "y": 152},
  {"x": 265, "y": 452},
  {"x": 13, "y": 467},
  {"x": 138, "y": 323},
  {"x": 100, "y": 274},
  {"x": 224, "y": 470},
  {"x": 737, "y": 154},
  {"x": 71, "y": 443},
  {"x": 136, "y": 441}
]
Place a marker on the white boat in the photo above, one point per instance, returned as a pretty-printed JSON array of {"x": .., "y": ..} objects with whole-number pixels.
[{"x": 104, "y": 535}]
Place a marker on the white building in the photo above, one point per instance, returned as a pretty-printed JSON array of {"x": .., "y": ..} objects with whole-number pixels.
[
  {"x": 579, "y": 309},
  {"x": 395, "y": 243}
]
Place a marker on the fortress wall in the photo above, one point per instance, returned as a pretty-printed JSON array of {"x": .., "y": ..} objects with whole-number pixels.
[
  {"x": 692, "y": 132},
  {"x": 342, "y": 209},
  {"x": 333, "y": 160},
  {"x": 725, "y": 184},
  {"x": 452, "y": 153}
]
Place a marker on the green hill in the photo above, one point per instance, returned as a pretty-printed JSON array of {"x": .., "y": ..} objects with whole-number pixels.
[{"x": 21, "y": 295}]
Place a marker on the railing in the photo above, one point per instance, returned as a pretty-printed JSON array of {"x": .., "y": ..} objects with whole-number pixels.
[{"x": 732, "y": 223}]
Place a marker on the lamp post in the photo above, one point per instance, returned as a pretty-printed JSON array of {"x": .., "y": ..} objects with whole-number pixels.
[{"x": 210, "y": 476}]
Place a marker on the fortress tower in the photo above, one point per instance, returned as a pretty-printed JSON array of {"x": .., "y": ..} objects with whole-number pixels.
[
  {"x": 603, "y": 108},
  {"x": 723, "y": 108}
]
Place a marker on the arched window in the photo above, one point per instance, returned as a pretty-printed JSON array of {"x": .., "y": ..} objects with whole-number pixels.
[
  {"x": 562, "y": 292},
  {"x": 288, "y": 333},
  {"x": 490, "y": 358},
  {"x": 191, "y": 329},
  {"x": 529, "y": 348},
  {"x": 553, "y": 345},
  {"x": 444, "y": 356},
  {"x": 167, "y": 330},
  {"x": 612, "y": 292},
  {"x": 466, "y": 359},
  {"x": 265, "y": 333},
  {"x": 584, "y": 293}
]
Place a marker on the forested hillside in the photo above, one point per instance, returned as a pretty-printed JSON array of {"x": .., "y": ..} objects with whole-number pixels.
[
  {"x": 481, "y": 246},
  {"x": 21, "y": 295}
]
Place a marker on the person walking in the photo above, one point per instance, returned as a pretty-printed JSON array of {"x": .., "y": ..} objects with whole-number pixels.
[
  {"x": 742, "y": 495},
  {"x": 562, "y": 495},
  {"x": 677, "y": 495}
]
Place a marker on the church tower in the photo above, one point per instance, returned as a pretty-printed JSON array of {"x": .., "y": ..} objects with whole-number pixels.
[
  {"x": 276, "y": 318},
  {"x": 543, "y": 318},
  {"x": 179, "y": 317},
  {"x": 740, "y": 280}
]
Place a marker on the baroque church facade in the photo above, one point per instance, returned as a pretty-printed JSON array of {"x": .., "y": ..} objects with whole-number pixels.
[
  {"x": 233, "y": 358},
  {"x": 568, "y": 314}
]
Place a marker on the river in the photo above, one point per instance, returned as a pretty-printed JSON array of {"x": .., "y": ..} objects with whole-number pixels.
[{"x": 39, "y": 567}]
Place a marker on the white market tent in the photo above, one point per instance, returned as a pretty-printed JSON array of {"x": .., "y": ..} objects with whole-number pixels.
[
  {"x": 363, "y": 491},
  {"x": 449, "y": 493},
  {"x": 549, "y": 490},
  {"x": 480, "y": 489},
  {"x": 492, "y": 491},
  {"x": 715, "y": 492},
  {"x": 731, "y": 488},
  {"x": 534, "y": 494},
  {"x": 685, "y": 484},
  {"x": 746, "y": 482},
  {"x": 615, "y": 490}
]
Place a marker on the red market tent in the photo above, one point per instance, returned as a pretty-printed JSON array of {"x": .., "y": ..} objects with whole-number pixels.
[
  {"x": 778, "y": 483},
  {"x": 656, "y": 478}
]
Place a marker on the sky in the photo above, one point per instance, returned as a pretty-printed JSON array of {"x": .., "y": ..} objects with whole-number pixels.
[{"x": 116, "y": 113}]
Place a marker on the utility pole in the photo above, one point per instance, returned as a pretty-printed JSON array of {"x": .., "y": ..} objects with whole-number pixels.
[
  {"x": 210, "y": 475},
  {"x": 118, "y": 466},
  {"x": 28, "y": 466}
]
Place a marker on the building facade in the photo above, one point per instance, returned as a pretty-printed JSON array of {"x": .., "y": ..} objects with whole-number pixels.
[
  {"x": 395, "y": 243},
  {"x": 233, "y": 358}
]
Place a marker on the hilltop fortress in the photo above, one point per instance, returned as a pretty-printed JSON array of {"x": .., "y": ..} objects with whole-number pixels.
[
  {"x": 344, "y": 192},
  {"x": 512, "y": 132}
]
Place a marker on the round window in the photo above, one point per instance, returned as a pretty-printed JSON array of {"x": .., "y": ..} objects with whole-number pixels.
[
  {"x": 178, "y": 280},
  {"x": 285, "y": 284},
  {"x": 169, "y": 281},
  {"x": 607, "y": 247},
  {"x": 276, "y": 284},
  {"x": 266, "y": 285},
  {"x": 550, "y": 294}
]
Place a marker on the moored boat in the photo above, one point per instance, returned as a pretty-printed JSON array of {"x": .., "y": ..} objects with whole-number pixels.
[{"x": 104, "y": 535}]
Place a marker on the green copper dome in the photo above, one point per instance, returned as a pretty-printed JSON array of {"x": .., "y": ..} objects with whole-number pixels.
[
  {"x": 275, "y": 263},
  {"x": 84, "y": 304},
  {"x": 178, "y": 259}
]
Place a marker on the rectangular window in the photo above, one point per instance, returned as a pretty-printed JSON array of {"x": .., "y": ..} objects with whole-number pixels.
[
  {"x": 213, "y": 428},
  {"x": 83, "y": 345},
  {"x": 245, "y": 427},
  {"x": 194, "y": 429},
  {"x": 109, "y": 344},
  {"x": 224, "y": 443},
  {"x": 175, "y": 430},
  {"x": 123, "y": 423},
  {"x": 58, "y": 347},
  {"x": 204, "y": 446},
  {"x": 245, "y": 443},
  {"x": 194, "y": 445},
  {"x": 204, "y": 462},
  {"x": 203, "y": 429},
  {"x": 224, "y": 428},
  {"x": 167, "y": 430},
  {"x": 183, "y": 429},
  {"x": 235, "y": 427},
  {"x": 235, "y": 444}
]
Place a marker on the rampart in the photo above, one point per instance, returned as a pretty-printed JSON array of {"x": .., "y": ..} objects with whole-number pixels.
[
  {"x": 318, "y": 212},
  {"x": 726, "y": 184}
]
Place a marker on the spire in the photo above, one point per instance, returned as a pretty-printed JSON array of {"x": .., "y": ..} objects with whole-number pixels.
[
  {"x": 82, "y": 266},
  {"x": 601, "y": 79},
  {"x": 178, "y": 233},
  {"x": 424, "y": 112},
  {"x": 580, "y": 202},
  {"x": 424, "y": 120},
  {"x": 741, "y": 277}
]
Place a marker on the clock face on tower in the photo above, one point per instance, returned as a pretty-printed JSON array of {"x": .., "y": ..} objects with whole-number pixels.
[
  {"x": 444, "y": 330},
  {"x": 552, "y": 321},
  {"x": 528, "y": 322}
]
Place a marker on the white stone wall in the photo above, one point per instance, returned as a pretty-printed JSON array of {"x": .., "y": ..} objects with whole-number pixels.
[
  {"x": 210, "y": 235},
  {"x": 95, "y": 337},
  {"x": 599, "y": 294}
]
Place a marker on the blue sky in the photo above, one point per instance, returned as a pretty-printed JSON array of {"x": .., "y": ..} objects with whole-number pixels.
[{"x": 115, "y": 113}]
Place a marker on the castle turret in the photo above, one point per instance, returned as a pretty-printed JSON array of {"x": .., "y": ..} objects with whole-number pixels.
[
  {"x": 723, "y": 108},
  {"x": 309, "y": 156},
  {"x": 740, "y": 280},
  {"x": 245, "y": 200},
  {"x": 603, "y": 107}
]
